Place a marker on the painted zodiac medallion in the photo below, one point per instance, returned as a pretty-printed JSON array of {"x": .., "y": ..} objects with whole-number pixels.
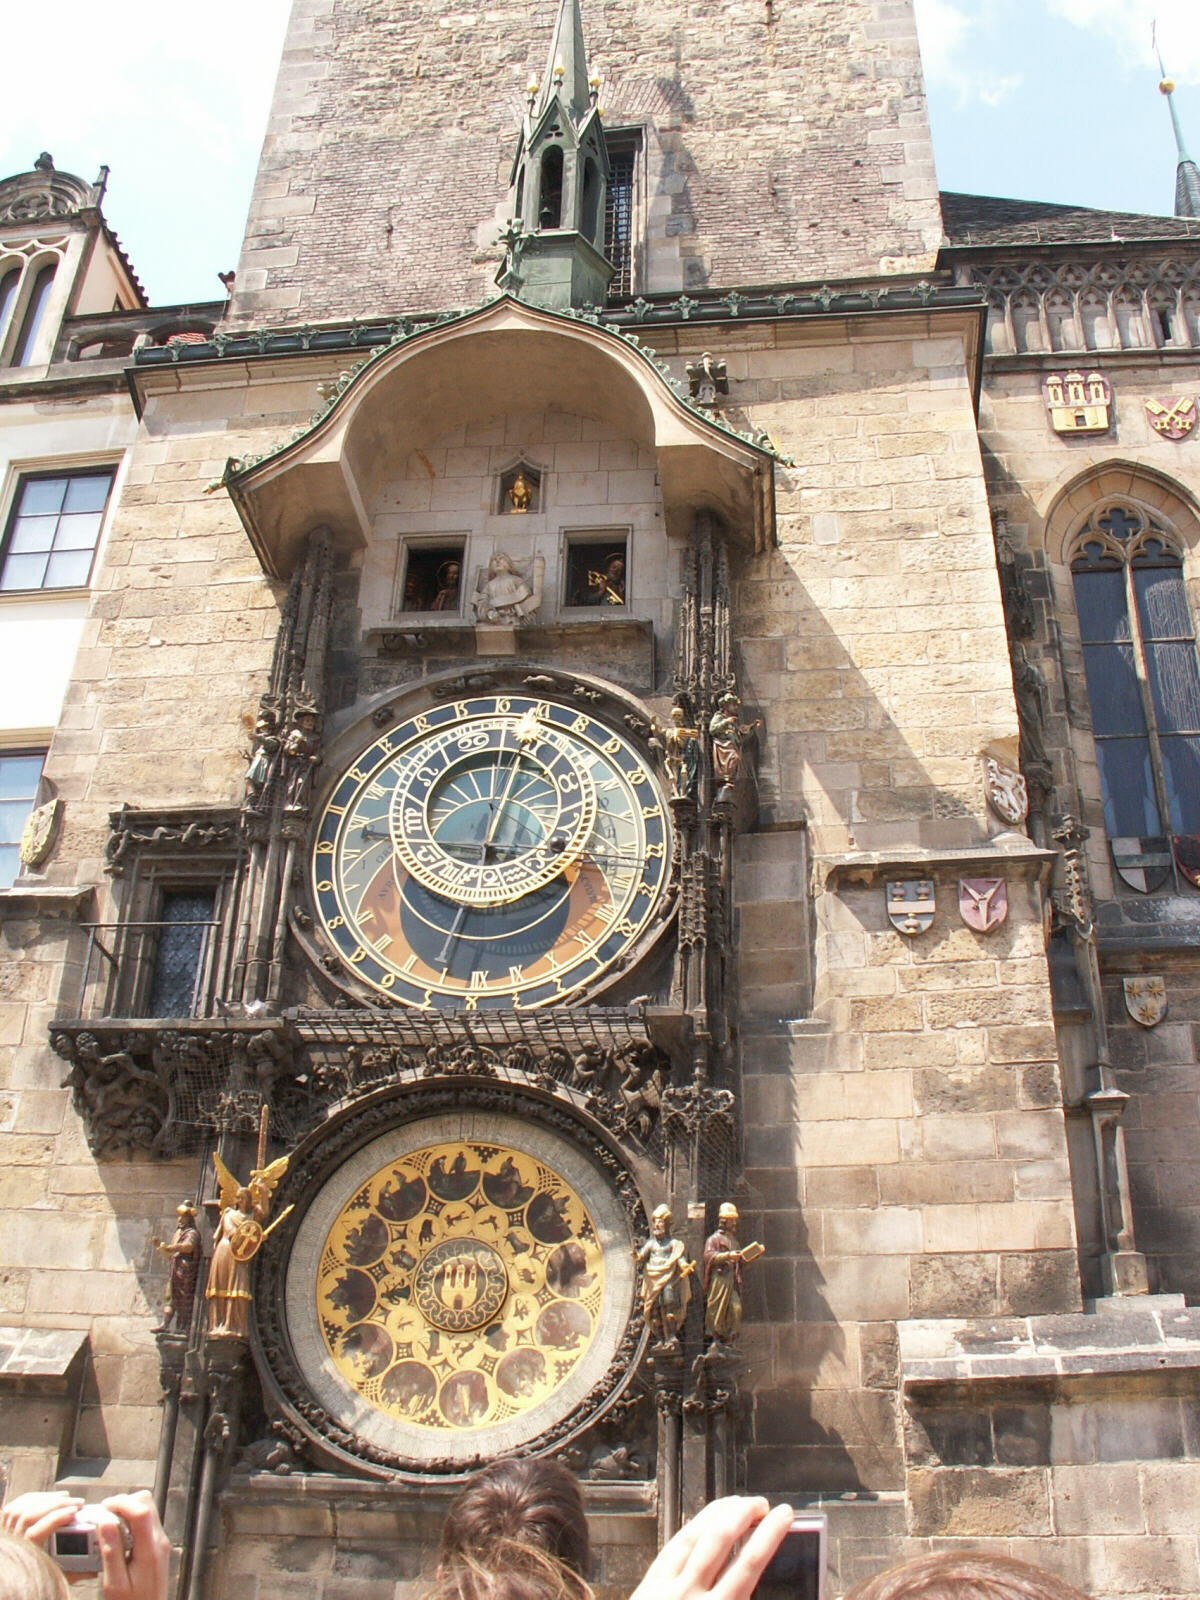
[{"x": 460, "y": 1285}]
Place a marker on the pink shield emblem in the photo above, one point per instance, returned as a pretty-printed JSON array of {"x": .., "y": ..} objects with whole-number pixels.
[{"x": 983, "y": 902}]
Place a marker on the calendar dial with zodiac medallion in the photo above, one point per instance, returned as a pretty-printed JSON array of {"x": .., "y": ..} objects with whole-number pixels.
[
  {"x": 458, "y": 1285},
  {"x": 496, "y": 851}
]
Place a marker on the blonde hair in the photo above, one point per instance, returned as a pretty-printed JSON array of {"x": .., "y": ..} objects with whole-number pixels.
[
  {"x": 510, "y": 1571},
  {"x": 27, "y": 1572},
  {"x": 971, "y": 1575}
]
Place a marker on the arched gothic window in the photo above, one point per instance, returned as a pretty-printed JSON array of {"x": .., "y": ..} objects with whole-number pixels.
[
  {"x": 1143, "y": 677},
  {"x": 8, "y": 295},
  {"x": 35, "y": 310}
]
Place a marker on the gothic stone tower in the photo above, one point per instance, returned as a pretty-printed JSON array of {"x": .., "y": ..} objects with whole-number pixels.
[{"x": 554, "y": 756}]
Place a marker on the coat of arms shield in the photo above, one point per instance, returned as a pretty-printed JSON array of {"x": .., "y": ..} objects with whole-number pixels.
[
  {"x": 911, "y": 904},
  {"x": 983, "y": 902},
  {"x": 1143, "y": 863},
  {"x": 1006, "y": 790},
  {"x": 1145, "y": 1000},
  {"x": 1174, "y": 419}
]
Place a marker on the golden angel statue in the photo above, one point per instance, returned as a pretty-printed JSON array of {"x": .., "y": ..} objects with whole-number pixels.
[{"x": 239, "y": 1237}]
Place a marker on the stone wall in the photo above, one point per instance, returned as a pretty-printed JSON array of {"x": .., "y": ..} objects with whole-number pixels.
[
  {"x": 385, "y": 168},
  {"x": 1071, "y": 1442},
  {"x": 1043, "y": 487}
]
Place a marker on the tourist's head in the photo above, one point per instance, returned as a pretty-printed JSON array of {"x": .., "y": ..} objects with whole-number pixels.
[
  {"x": 27, "y": 1572},
  {"x": 971, "y": 1575},
  {"x": 512, "y": 1571},
  {"x": 530, "y": 1503}
]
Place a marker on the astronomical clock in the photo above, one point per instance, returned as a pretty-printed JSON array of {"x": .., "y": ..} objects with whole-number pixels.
[
  {"x": 488, "y": 878},
  {"x": 497, "y": 851}
]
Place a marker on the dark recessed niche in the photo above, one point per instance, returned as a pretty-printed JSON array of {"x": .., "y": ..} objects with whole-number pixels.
[
  {"x": 432, "y": 579},
  {"x": 520, "y": 490},
  {"x": 597, "y": 572}
]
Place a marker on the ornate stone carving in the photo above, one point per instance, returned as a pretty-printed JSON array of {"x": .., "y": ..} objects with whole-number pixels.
[
  {"x": 508, "y": 593},
  {"x": 697, "y": 1111},
  {"x": 45, "y": 194},
  {"x": 281, "y": 1450},
  {"x": 1006, "y": 791},
  {"x": 1109, "y": 303},
  {"x": 707, "y": 380},
  {"x": 1072, "y": 902},
  {"x": 123, "y": 1100},
  {"x": 40, "y": 833},
  {"x": 164, "y": 831}
]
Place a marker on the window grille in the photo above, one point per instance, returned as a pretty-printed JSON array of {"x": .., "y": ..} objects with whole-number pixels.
[
  {"x": 618, "y": 219},
  {"x": 177, "y": 971}
]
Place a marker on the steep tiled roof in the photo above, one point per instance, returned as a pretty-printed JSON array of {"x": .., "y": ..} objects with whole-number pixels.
[{"x": 984, "y": 221}]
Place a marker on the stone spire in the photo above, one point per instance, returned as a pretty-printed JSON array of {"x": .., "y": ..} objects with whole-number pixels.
[
  {"x": 566, "y": 65},
  {"x": 1187, "y": 174},
  {"x": 554, "y": 242}
]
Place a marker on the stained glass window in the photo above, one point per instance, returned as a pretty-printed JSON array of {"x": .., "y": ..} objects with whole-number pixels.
[{"x": 1143, "y": 675}]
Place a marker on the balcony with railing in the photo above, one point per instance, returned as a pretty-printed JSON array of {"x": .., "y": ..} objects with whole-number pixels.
[{"x": 163, "y": 970}]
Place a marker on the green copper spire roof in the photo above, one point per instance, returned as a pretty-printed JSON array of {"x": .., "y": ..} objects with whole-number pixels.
[
  {"x": 566, "y": 66},
  {"x": 1187, "y": 174}
]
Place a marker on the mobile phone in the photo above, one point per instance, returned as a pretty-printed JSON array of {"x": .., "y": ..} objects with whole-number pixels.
[
  {"x": 74, "y": 1546},
  {"x": 797, "y": 1569}
]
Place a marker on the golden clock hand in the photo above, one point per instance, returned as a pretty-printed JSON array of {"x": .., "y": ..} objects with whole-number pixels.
[{"x": 526, "y": 731}]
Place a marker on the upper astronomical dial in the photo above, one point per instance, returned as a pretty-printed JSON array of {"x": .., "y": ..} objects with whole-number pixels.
[
  {"x": 491, "y": 808},
  {"x": 495, "y": 851}
]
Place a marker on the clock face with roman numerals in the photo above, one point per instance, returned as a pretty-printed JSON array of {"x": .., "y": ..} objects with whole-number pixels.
[{"x": 498, "y": 851}]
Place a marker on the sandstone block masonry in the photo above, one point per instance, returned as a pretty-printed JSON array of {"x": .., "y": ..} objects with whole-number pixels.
[{"x": 385, "y": 167}]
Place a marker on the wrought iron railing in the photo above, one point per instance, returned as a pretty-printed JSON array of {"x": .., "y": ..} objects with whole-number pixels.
[{"x": 150, "y": 969}]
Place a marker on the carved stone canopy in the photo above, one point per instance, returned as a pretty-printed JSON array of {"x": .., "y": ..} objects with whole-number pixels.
[
  {"x": 46, "y": 195},
  {"x": 506, "y": 357}
]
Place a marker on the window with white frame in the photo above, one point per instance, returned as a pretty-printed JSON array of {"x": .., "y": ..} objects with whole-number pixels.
[
  {"x": 50, "y": 539},
  {"x": 1143, "y": 675},
  {"x": 20, "y": 774}
]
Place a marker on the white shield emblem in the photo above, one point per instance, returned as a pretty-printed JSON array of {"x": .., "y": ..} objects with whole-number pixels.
[
  {"x": 1006, "y": 791},
  {"x": 1146, "y": 1000},
  {"x": 1143, "y": 863},
  {"x": 911, "y": 905},
  {"x": 983, "y": 902}
]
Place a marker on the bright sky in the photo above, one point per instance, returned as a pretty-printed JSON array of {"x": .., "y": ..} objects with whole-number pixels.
[{"x": 1031, "y": 99}]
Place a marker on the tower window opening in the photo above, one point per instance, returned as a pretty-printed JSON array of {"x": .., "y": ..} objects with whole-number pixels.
[
  {"x": 550, "y": 200},
  {"x": 618, "y": 217},
  {"x": 591, "y": 200}
]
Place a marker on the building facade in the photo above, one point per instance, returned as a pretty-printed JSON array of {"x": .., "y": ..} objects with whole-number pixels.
[{"x": 644, "y": 659}]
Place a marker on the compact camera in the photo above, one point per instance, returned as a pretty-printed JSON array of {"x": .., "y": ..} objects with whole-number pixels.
[
  {"x": 74, "y": 1546},
  {"x": 797, "y": 1569}
]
